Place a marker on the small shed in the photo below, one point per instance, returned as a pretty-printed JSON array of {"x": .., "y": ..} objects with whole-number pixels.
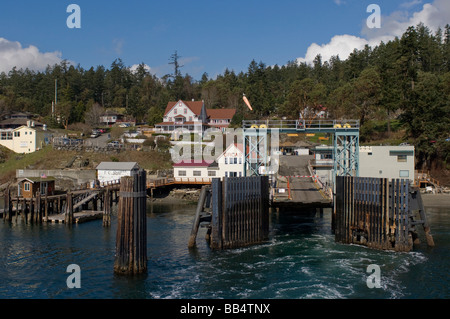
[
  {"x": 109, "y": 172},
  {"x": 29, "y": 187}
]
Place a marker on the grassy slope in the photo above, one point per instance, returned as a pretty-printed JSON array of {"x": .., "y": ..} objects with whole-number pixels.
[{"x": 48, "y": 158}]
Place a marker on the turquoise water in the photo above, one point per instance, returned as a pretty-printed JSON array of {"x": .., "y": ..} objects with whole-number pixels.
[{"x": 299, "y": 261}]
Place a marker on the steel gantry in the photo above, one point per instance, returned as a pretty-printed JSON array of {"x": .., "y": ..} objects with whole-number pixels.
[{"x": 256, "y": 143}]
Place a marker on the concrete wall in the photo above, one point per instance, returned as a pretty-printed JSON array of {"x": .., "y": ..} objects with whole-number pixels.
[
  {"x": 79, "y": 176},
  {"x": 384, "y": 162}
]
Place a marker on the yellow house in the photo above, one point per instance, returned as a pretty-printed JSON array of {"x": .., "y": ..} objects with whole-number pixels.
[{"x": 24, "y": 139}]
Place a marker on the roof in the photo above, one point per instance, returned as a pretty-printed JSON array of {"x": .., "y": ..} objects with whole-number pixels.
[
  {"x": 194, "y": 106},
  {"x": 192, "y": 164},
  {"x": 121, "y": 166},
  {"x": 238, "y": 146},
  {"x": 17, "y": 122},
  {"x": 220, "y": 113},
  {"x": 37, "y": 179},
  {"x": 182, "y": 123}
]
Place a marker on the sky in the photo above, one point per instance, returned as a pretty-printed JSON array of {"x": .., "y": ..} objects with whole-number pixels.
[{"x": 209, "y": 35}]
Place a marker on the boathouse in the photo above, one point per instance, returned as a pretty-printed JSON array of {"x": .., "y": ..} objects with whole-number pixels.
[
  {"x": 29, "y": 187},
  {"x": 109, "y": 172}
]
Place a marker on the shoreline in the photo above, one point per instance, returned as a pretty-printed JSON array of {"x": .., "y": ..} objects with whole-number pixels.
[{"x": 436, "y": 200}]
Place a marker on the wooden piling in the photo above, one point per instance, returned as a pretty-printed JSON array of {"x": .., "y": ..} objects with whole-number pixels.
[
  {"x": 195, "y": 226},
  {"x": 106, "y": 208},
  {"x": 69, "y": 209},
  {"x": 131, "y": 238},
  {"x": 7, "y": 214},
  {"x": 240, "y": 212},
  {"x": 375, "y": 213}
]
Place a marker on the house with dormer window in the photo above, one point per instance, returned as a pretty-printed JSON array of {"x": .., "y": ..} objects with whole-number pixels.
[
  {"x": 194, "y": 117},
  {"x": 185, "y": 115}
]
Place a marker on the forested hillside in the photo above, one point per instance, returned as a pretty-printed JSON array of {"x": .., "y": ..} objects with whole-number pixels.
[{"x": 405, "y": 81}]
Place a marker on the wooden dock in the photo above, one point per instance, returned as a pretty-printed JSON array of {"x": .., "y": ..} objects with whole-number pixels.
[{"x": 78, "y": 218}]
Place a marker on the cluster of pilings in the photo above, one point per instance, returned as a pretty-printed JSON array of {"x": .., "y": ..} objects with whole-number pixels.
[
  {"x": 236, "y": 211},
  {"x": 59, "y": 208},
  {"x": 377, "y": 213}
]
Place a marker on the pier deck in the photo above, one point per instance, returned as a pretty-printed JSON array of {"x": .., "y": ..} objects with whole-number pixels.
[{"x": 79, "y": 217}]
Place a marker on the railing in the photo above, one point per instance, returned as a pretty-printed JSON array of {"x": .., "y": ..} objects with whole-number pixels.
[
  {"x": 153, "y": 183},
  {"x": 301, "y": 124},
  {"x": 196, "y": 180}
]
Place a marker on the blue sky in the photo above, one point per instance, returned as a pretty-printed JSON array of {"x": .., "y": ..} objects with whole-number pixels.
[{"x": 209, "y": 35}]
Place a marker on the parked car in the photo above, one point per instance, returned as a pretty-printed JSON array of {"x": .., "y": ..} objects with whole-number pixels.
[
  {"x": 114, "y": 144},
  {"x": 95, "y": 134}
]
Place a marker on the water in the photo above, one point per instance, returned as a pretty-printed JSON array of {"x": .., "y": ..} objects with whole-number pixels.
[{"x": 300, "y": 260}]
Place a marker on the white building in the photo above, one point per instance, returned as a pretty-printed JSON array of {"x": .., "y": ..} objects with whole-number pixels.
[
  {"x": 374, "y": 161},
  {"x": 231, "y": 162},
  {"x": 192, "y": 173},
  {"x": 24, "y": 139},
  {"x": 110, "y": 172},
  {"x": 387, "y": 162},
  {"x": 228, "y": 164},
  {"x": 193, "y": 116}
]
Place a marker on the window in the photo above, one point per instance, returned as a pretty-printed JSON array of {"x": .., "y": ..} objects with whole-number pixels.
[
  {"x": 175, "y": 111},
  {"x": 26, "y": 187},
  {"x": 190, "y": 118},
  {"x": 404, "y": 173},
  {"x": 240, "y": 160},
  {"x": 197, "y": 173},
  {"x": 226, "y": 160},
  {"x": 44, "y": 187},
  {"x": 181, "y": 173},
  {"x": 185, "y": 111},
  {"x": 401, "y": 158},
  {"x": 211, "y": 173},
  {"x": 16, "y": 134},
  {"x": 235, "y": 160},
  {"x": 226, "y": 174}
]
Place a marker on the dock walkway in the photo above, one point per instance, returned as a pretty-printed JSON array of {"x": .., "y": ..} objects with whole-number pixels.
[{"x": 78, "y": 218}]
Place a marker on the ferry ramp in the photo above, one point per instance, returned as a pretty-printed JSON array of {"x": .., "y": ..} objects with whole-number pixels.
[{"x": 299, "y": 187}]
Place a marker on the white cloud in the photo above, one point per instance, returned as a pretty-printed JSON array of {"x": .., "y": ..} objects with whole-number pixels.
[
  {"x": 12, "y": 54},
  {"x": 118, "y": 45},
  {"x": 134, "y": 67},
  {"x": 339, "y": 2},
  {"x": 410, "y": 3},
  {"x": 433, "y": 15},
  {"x": 341, "y": 45}
]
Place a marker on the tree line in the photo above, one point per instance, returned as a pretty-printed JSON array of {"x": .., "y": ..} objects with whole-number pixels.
[{"x": 406, "y": 80}]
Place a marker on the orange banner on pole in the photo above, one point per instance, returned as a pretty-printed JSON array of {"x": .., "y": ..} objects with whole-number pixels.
[{"x": 247, "y": 102}]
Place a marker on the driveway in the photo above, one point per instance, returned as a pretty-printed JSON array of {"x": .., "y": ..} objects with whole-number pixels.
[{"x": 100, "y": 141}]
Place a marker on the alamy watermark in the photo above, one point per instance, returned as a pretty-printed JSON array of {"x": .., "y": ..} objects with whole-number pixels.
[
  {"x": 74, "y": 280},
  {"x": 74, "y": 19},
  {"x": 374, "y": 20},
  {"x": 261, "y": 145},
  {"x": 374, "y": 280}
]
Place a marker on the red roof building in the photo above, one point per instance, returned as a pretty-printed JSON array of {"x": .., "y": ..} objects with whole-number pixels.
[{"x": 193, "y": 116}]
